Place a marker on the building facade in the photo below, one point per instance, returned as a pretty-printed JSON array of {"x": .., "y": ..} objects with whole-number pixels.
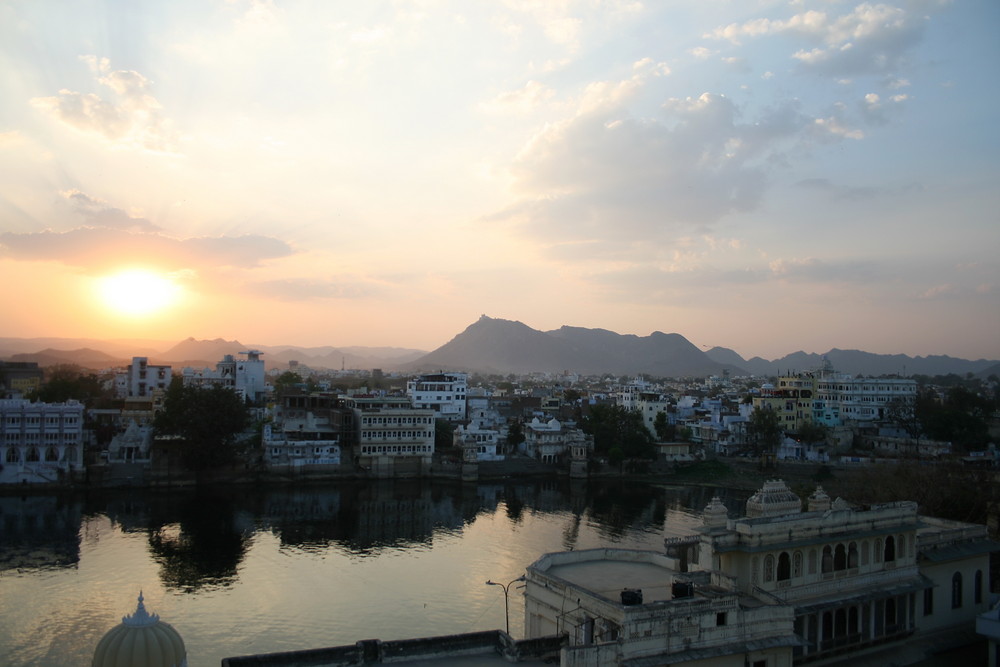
[
  {"x": 142, "y": 379},
  {"x": 40, "y": 442},
  {"x": 779, "y": 586},
  {"x": 394, "y": 437},
  {"x": 444, "y": 393}
]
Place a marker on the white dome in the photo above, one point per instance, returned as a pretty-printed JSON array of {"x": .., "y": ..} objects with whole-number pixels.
[{"x": 141, "y": 640}]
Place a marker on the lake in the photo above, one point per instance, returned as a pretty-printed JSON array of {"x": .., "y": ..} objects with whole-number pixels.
[{"x": 257, "y": 570}]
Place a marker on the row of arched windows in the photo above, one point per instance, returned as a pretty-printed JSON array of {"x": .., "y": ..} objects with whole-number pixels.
[
  {"x": 834, "y": 558},
  {"x": 34, "y": 455}
]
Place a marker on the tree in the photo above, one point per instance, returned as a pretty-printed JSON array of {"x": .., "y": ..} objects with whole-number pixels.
[
  {"x": 764, "y": 430},
  {"x": 515, "y": 434},
  {"x": 207, "y": 419},
  {"x": 285, "y": 382},
  {"x": 665, "y": 431},
  {"x": 65, "y": 382},
  {"x": 444, "y": 434},
  {"x": 615, "y": 427},
  {"x": 811, "y": 432}
]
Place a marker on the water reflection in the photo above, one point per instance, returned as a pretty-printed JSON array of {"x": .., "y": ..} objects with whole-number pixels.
[{"x": 199, "y": 538}]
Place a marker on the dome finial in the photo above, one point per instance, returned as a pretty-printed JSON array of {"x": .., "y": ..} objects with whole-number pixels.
[{"x": 141, "y": 617}]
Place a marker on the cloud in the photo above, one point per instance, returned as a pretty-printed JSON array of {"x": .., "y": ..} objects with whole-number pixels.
[
  {"x": 98, "y": 248},
  {"x": 130, "y": 118},
  {"x": 522, "y": 101},
  {"x": 603, "y": 176},
  {"x": 311, "y": 290},
  {"x": 99, "y": 214},
  {"x": 870, "y": 38}
]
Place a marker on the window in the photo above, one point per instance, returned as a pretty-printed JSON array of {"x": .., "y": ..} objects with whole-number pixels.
[
  {"x": 956, "y": 590},
  {"x": 840, "y": 558},
  {"x": 852, "y": 555},
  {"x": 768, "y": 568},
  {"x": 977, "y": 591},
  {"x": 827, "y": 559},
  {"x": 797, "y": 564},
  {"x": 928, "y": 601},
  {"x": 720, "y": 618},
  {"x": 784, "y": 567},
  {"x": 890, "y": 549}
]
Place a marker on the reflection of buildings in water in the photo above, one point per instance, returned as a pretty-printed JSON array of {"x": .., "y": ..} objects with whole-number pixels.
[{"x": 39, "y": 532}]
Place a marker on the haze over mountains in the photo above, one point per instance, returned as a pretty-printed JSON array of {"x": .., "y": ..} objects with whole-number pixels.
[{"x": 498, "y": 346}]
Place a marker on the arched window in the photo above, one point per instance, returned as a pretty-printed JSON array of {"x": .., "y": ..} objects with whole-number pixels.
[
  {"x": 51, "y": 454},
  {"x": 877, "y": 551},
  {"x": 890, "y": 611},
  {"x": 768, "y": 568},
  {"x": 977, "y": 592},
  {"x": 840, "y": 558},
  {"x": 70, "y": 454},
  {"x": 827, "y": 559},
  {"x": 784, "y": 566},
  {"x": 890, "y": 549},
  {"x": 812, "y": 561},
  {"x": 956, "y": 590},
  {"x": 754, "y": 570},
  {"x": 13, "y": 455},
  {"x": 864, "y": 552},
  {"x": 852, "y": 620},
  {"x": 797, "y": 564},
  {"x": 32, "y": 454},
  {"x": 852, "y": 555}
]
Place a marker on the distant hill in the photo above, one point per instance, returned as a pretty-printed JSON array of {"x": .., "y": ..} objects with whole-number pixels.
[
  {"x": 856, "y": 362},
  {"x": 503, "y": 346},
  {"x": 198, "y": 353}
]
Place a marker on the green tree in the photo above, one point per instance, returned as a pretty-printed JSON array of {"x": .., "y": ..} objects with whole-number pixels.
[
  {"x": 207, "y": 419},
  {"x": 613, "y": 426},
  {"x": 444, "y": 434},
  {"x": 286, "y": 382},
  {"x": 515, "y": 434},
  {"x": 665, "y": 431},
  {"x": 764, "y": 430},
  {"x": 811, "y": 432},
  {"x": 65, "y": 382}
]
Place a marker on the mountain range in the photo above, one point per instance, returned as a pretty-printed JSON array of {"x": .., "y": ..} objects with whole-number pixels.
[{"x": 499, "y": 346}]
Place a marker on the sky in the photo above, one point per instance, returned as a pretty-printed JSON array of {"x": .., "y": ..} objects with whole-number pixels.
[{"x": 763, "y": 176}]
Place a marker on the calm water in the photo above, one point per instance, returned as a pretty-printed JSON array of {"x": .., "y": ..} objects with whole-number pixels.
[{"x": 255, "y": 571}]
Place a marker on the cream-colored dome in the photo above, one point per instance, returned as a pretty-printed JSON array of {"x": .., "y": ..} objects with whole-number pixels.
[{"x": 141, "y": 640}]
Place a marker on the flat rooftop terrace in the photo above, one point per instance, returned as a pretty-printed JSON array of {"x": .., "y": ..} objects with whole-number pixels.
[{"x": 607, "y": 571}]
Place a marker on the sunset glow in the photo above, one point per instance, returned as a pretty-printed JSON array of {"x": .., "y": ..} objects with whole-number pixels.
[
  {"x": 763, "y": 176},
  {"x": 137, "y": 293}
]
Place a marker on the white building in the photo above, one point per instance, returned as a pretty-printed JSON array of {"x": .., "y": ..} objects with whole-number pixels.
[
  {"x": 863, "y": 399},
  {"x": 444, "y": 393},
  {"x": 309, "y": 431},
  {"x": 551, "y": 441},
  {"x": 777, "y": 587},
  {"x": 394, "y": 437},
  {"x": 141, "y": 379},
  {"x": 244, "y": 376},
  {"x": 637, "y": 396},
  {"x": 39, "y": 442},
  {"x": 485, "y": 442}
]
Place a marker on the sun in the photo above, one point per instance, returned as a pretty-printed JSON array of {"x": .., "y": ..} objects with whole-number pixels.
[{"x": 138, "y": 292}]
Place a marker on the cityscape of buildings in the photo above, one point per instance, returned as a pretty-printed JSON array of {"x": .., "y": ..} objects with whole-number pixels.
[{"x": 782, "y": 585}]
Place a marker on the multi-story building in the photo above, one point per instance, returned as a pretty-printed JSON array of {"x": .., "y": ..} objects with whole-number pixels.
[
  {"x": 791, "y": 399},
  {"x": 637, "y": 396},
  {"x": 552, "y": 441},
  {"x": 777, "y": 587},
  {"x": 18, "y": 378},
  {"x": 244, "y": 376},
  {"x": 444, "y": 393},
  {"x": 309, "y": 431},
  {"x": 142, "y": 379},
  {"x": 865, "y": 399},
  {"x": 394, "y": 437},
  {"x": 39, "y": 442}
]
